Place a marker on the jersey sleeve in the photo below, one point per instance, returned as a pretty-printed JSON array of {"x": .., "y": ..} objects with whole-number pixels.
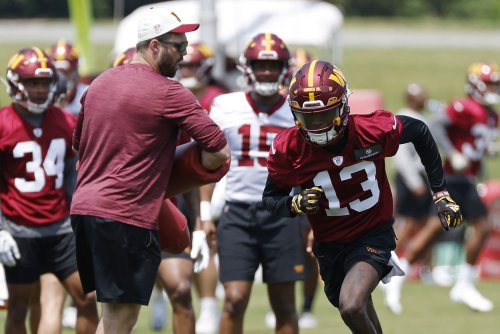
[
  {"x": 459, "y": 114},
  {"x": 279, "y": 167}
]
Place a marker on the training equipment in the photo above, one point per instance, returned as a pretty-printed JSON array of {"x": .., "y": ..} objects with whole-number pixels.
[{"x": 173, "y": 228}]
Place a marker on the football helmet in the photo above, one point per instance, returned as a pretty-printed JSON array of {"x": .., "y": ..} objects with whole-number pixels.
[
  {"x": 30, "y": 63},
  {"x": 200, "y": 57},
  {"x": 483, "y": 82},
  {"x": 65, "y": 56},
  {"x": 318, "y": 97},
  {"x": 265, "y": 47},
  {"x": 125, "y": 57}
]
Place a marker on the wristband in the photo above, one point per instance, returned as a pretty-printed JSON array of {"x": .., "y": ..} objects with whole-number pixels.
[
  {"x": 205, "y": 211},
  {"x": 440, "y": 194}
]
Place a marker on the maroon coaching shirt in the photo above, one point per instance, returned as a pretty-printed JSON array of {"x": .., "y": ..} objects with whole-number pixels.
[
  {"x": 357, "y": 195},
  {"x": 126, "y": 134}
]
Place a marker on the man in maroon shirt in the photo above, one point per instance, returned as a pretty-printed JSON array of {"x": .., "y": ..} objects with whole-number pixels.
[
  {"x": 338, "y": 161},
  {"x": 126, "y": 136}
]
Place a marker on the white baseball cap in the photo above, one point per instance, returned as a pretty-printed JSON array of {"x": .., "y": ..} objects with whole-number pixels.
[{"x": 157, "y": 21}]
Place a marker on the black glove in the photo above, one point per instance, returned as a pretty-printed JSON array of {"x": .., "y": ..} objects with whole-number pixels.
[
  {"x": 448, "y": 211},
  {"x": 307, "y": 202}
]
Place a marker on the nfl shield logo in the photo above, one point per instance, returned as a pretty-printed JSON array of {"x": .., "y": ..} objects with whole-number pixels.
[
  {"x": 37, "y": 132},
  {"x": 338, "y": 160}
]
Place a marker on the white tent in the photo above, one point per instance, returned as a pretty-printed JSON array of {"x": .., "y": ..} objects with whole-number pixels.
[{"x": 297, "y": 22}]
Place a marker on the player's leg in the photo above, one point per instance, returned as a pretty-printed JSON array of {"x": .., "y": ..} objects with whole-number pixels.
[
  {"x": 282, "y": 299},
  {"x": 310, "y": 284},
  {"x": 238, "y": 261},
  {"x": 35, "y": 311},
  {"x": 19, "y": 300},
  {"x": 176, "y": 273},
  {"x": 159, "y": 307},
  {"x": 52, "y": 297},
  {"x": 282, "y": 248},
  {"x": 474, "y": 211},
  {"x": 237, "y": 296},
  {"x": 206, "y": 285}
]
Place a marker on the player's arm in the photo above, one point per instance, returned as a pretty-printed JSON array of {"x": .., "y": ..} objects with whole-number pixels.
[
  {"x": 438, "y": 125},
  {"x": 277, "y": 200},
  {"x": 70, "y": 177},
  {"x": 416, "y": 132}
]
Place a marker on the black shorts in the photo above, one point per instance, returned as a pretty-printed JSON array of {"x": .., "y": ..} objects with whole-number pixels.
[
  {"x": 248, "y": 235},
  {"x": 409, "y": 205},
  {"x": 119, "y": 261},
  {"x": 335, "y": 259},
  {"x": 464, "y": 192},
  {"x": 54, "y": 254}
]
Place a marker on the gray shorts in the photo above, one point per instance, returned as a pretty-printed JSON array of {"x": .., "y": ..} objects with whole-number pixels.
[{"x": 248, "y": 235}]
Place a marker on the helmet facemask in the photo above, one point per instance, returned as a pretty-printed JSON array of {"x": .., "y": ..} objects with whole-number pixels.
[
  {"x": 266, "y": 88},
  {"x": 20, "y": 94},
  {"x": 322, "y": 125}
]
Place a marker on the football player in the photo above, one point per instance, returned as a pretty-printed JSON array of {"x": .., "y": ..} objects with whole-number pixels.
[
  {"x": 247, "y": 235},
  {"x": 36, "y": 160},
  {"x": 195, "y": 73},
  {"x": 338, "y": 161},
  {"x": 66, "y": 60},
  {"x": 465, "y": 130}
]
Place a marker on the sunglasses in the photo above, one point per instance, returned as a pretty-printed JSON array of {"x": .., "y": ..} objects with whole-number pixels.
[{"x": 180, "y": 46}]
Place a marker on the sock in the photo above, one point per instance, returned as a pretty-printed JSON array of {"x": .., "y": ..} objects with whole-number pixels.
[
  {"x": 307, "y": 306},
  {"x": 208, "y": 304}
]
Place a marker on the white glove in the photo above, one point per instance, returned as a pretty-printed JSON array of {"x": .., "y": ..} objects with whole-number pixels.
[
  {"x": 200, "y": 252},
  {"x": 9, "y": 252},
  {"x": 458, "y": 161}
]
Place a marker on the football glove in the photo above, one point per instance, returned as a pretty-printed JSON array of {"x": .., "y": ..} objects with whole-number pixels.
[
  {"x": 307, "y": 202},
  {"x": 448, "y": 211},
  {"x": 9, "y": 252},
  {"x": 200, "y": 252}
]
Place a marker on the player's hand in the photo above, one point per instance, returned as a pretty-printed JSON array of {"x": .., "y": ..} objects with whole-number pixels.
[
  {"x": 448, "y": 211},
  {"x": 200, "y": 253},
  {"x": 9, "y": 252},
  {"x": 307, "y": 202}
]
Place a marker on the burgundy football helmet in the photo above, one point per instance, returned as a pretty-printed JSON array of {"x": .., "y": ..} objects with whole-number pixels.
[
  {"x": 200, "y": 57},
  {"x": 483, "y": 82},
  {"x": 65, "y": 56},
  {"x": 318, "y": 97},
  {"x": 265, "y": 47},
  {"x": 125, "y": 57},
  {"x": 27, "y": 64}
]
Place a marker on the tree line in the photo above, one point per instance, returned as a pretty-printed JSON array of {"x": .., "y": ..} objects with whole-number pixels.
[{"x": 458, "y": 9}]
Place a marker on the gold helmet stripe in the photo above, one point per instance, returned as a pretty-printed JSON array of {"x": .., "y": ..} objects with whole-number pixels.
[
  {"x": 15, "y": 60},
  {"x": 338, "y": 77},
  {"x": 268, "y": 41},
  {"x": 41, "y": 57},
  {"x": 310, "y": 79}
]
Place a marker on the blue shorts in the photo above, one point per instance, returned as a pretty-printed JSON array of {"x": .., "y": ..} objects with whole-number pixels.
[
  {"x": 54, "y": 254},
  {"x": 336, "y": 259},
  {"x": 248, "y": 235},
  {"x": 119, "y": 261}
]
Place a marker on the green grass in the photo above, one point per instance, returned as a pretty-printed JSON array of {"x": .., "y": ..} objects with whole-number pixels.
[{"x": 427, "y": 309}]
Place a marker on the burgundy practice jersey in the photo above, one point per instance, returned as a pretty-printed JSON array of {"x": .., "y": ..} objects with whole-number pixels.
[
  {"x": 357, "y": 194},
  {"x": 210, "y": 94},
  {"x": 32, "y": 166},
  {"x": 473, "y": 127}
]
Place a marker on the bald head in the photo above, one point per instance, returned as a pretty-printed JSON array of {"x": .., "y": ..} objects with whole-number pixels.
[{"x": 415, "y": 97}]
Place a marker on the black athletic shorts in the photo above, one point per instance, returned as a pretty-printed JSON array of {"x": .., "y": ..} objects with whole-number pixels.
[
  {"x": 336, "y": 259},
  {"x": 54, "y": 254},
  {"x": 464, "y": 192},
  {"x": 119, "y": 261},
  {"x": 409, "y": 205},
  {"x": 248, "y": 235}
]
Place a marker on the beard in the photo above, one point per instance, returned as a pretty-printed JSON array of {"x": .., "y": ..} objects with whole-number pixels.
[{"x": 166, "y": 67}]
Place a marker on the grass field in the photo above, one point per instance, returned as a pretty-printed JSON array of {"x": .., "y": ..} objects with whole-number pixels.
[{"x": 427, "y": 310}]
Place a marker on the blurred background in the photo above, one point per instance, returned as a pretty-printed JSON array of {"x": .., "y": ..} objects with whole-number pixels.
[{"x": 381, "y": 46}]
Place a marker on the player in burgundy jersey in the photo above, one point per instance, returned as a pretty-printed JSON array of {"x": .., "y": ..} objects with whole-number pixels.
[
  {"x": 36, "y": 160},
  {"x": 248, "y": 235},
  {"x": 465, "y": 131},
  {"x": 338, "y": 161}
]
